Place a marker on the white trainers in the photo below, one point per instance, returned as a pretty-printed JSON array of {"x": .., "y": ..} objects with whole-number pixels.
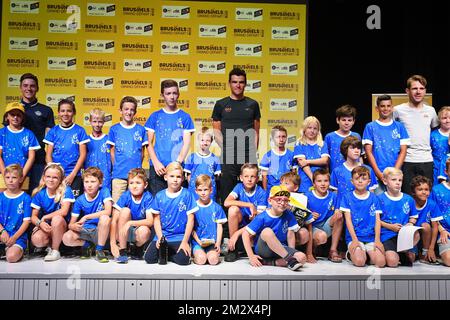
[{"x": 53, "y": 255}]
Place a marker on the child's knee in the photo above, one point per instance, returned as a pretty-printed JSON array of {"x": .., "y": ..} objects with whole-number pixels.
[
  {"x": 68, "y": 238},
  {"x": 392, "y": 259},
  {"x": 14, "y": 254},
  {"x": 39, "y": 239},
  {"x": 104, "y": 221},
  {"x": 58, "y": 222},
  {"x": 213, "y": 258},
  {"x": 267, "y": 234},
  {"x": 199, "y": 257},
  {"x": 142, "y": 235},
  {"x": 359, "y": 257},
  {"x": 320, "y": 237},
  {"x": 303, "y": 236},
  {"x": 426, "y": 227}
]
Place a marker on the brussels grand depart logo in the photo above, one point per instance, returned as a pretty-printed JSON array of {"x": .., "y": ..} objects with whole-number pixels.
[
  {"x": 282, "y": 87},
  {"x": 175, "y": 12},
  {"x": 100, "y": 46},
  {"x": 174, "y": 48},
  {"x": 101, "y": 9},
  {"x": 175, "y": 30},
  {"x": 137, "y": 47},
  {"x": 102, "y": 83},
  {"x": 284, "y": 33},
  {"x": 174, "y": 67},
  {"x": 248, "y": 32},
  {"x": 52, "y": 99},
  {"x": 135, "y": 84},
  {"x": 283, "y": 69},
  {"x": 61, "y": 45},
  {"x": 284, "y": 15},
  {"x": 250, "y": 68},
  {"x": 212, "y": 67},
  {"x": 212, "y": 31},
  {"x": 23, "y": 44},
  {"x": 284, "y": 51},
  {"x": 247, "y": 50},
  {"x": 61, "y": 26},
  {"x": 212, "y": 13},
  {"x": 206, "y": 103},
  {"x": 22, "y": 63},
  {"x": 249, "y": 14},
  {"x": 60, "y": 82},
  {"x": 137, "y": 65},
  {"x": 138, "y": 11},
  {"x": 24, "y": 7},
  {"x": 99, "y": 65},
  {"x": 98, "y": 101},
  {"x": 210, "y": 85},
  {"x": 138, "y": 29},
  {"x": 283, "y": 105},
  {"x": 100, "y": 28},
  {"x": 211, "y": 49},
  {"x": 253, "y": 86},
  {"x": 24, "y": 25},
  {"x": 62, "y": 63},
  {"x": 13, "y": 80}
]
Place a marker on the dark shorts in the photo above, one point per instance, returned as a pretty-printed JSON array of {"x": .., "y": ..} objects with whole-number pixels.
[
  {"x": 264, "y": 251},
  {"x": 90, "y": 235}
]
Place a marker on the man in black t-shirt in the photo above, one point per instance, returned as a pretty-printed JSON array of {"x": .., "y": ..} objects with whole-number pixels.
[{"x": 236, "y": 122}]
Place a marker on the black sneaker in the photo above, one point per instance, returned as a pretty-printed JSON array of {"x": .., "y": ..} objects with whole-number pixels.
[
  {"x": 100, "y": 256},
  {"x": 137, "y": 253},
  {"x": 86, "y": 253},
  {"x": 2, "y": 251},
  {"x": 40, "y": 252},
  {"x": 232, "y": 256},
  {"x": 293, "y": 264}
]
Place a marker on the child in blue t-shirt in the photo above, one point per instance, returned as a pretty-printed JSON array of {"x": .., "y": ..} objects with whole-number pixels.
[
  {"x": 443, "y": 176},
  {"x": 18, "y": 145},
  {"x": 173, "y": 218},
  {"x": 134, "y": 218},
  {"x": 128, "y": 141},
  {"x": 385, "y": 141},
  {"x": 15, "y": 212},
  {"x": 329, "y": 222},
  {"x": 90, "y": 219},
  {"x": 51, "y": 203},
  {"x": 439, "y": 141},
  {"x": 276, "y": 161},
  {"x": 427, "y": 211},
  {"x": 398, "y": 210},
  {"x": 203, "y": 162},
  {"x": 66, "y": 145},
  {"x": 245, "y": 201},
  {"x": 98, "y": 149},
  {"x": 208, "y": 229},
  {"x": 169, "y": 135},
  {"x": 345, "y": 118},
  {"x": 362, "y": 219},
  {"x": 273, "y": 231},
  {"x": 311, "y": 152}
]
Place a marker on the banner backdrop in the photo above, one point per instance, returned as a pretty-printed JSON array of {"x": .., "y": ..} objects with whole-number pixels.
[{"x": 96, "y": 53}]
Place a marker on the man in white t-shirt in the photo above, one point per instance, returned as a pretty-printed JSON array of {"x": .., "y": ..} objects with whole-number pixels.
[{"x": 418, "y": 119}]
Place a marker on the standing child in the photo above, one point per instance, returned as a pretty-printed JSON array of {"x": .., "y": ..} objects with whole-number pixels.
[
  {"x": 128, "y": 140},
  {"x": 15, "y": 212},
  {"x": 310, "y": 152},
  {"x": 98, "y": 149},
  {"x": 439, "y": 141},
  {"x": 427, "y": 210},
  {"x": 208, "y": 230},
  {"x": 276, "y": 161},
  {"x": 66, "y": 144},
  {"x": 90, "y": 217},
  {"x": 362, "y": 218},
  {"x": 245, "y": 201},
  {"x": 385, "y": 141},
  {"x": 51, "y": 203},
  {"x": 173, "y": 218},
  {"x": 169, "y": 135},
  {"x": 18, "y": 145},
  {"x": 345, "y": 118},
  {"x": 274, "y": 232},
  {"x": 398, "y": 210},
  {"x": 134, "y": 216},
  {"x": 203, "y": 162}
]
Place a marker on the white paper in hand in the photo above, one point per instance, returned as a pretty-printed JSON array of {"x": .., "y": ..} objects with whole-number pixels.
[{"x": 405, "y": 239}]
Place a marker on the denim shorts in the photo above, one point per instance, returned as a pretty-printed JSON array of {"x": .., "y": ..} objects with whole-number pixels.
[{"x": 324, "y": 226}]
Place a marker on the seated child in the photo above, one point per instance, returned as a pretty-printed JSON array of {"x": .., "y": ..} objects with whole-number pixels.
[
  {"x": 208, "y": 230},
  {"x": 15, "y": 212},
  {"x": 90, "y": 216},
  {"x": 134, "y": 216},
  {"x": 245, "y": 201},
  {"x": 51, "y": 203},
  {"x": 173, "y": 218},
  {"x": 273, "y": 232},
  {"x": 361, "y": 211}
]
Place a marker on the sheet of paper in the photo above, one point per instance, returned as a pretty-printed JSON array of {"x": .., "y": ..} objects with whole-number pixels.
[{"x": 405, "y": 239}]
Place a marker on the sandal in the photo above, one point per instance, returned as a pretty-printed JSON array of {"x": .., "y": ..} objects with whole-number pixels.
[{"x": 334, "y": 256}]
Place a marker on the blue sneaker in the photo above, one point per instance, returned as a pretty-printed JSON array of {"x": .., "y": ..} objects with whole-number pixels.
[{"x": 122, "y": 259}]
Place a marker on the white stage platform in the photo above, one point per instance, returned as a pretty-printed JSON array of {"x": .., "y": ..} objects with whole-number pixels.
[{"x": 72, "y": 278}]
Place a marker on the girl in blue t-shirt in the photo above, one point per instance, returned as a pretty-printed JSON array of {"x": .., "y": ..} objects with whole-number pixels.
[
  {"x": 66, "y": 145},
  {"x": 310, "y": 152},
  {"x": 51, "y": 203}
]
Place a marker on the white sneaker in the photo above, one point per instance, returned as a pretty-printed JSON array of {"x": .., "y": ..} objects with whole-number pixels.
[{"x": 53, "y": 255}]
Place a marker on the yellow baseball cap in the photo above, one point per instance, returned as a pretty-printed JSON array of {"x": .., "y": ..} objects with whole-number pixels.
[
  {"x": 13, "y": 106},
  {"x": 279, "y": 191}
]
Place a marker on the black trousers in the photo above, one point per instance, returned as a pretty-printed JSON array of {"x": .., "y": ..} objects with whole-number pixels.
[{"x": 412, "y": 169}]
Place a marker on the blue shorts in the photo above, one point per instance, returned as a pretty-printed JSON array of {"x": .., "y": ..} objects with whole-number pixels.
[
  {"x": 245, "y": 216},
  {"x": 196, "y": 246},
  {"x": 324, "y": 226},
  {"x": 21, "y": 242}
]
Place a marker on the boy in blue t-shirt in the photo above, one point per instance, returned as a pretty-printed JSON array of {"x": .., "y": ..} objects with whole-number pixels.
[
  {"x": 208, "y": 229},
  {"x": 18, "y": 145},
  {"x": 173, "y": 218},
  {"x": 329, "y": 222},
  {"x": 169, "y": 135},
  {"x": 362, "y": 219},
  {"x": 276, "y": 161},
  {"x": 439, "y": 142},
  {"x": 385, "y": 141},
  {"x": 443, "y": 176},
  {"x": 203, "y": 162},
  {"x": 15, "y": 213},
  {"x": 345, "y": 118},
  {"x": 398, "y": 210},
  {"x": 98, "y": 149},
  {"x": 133, "y": 217},
  {"x": 90, "y": 217},
  {"x": 128, "y": 141},
  {"x": 273, "y": 231},
  {"x": 245, "y": 201}
]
